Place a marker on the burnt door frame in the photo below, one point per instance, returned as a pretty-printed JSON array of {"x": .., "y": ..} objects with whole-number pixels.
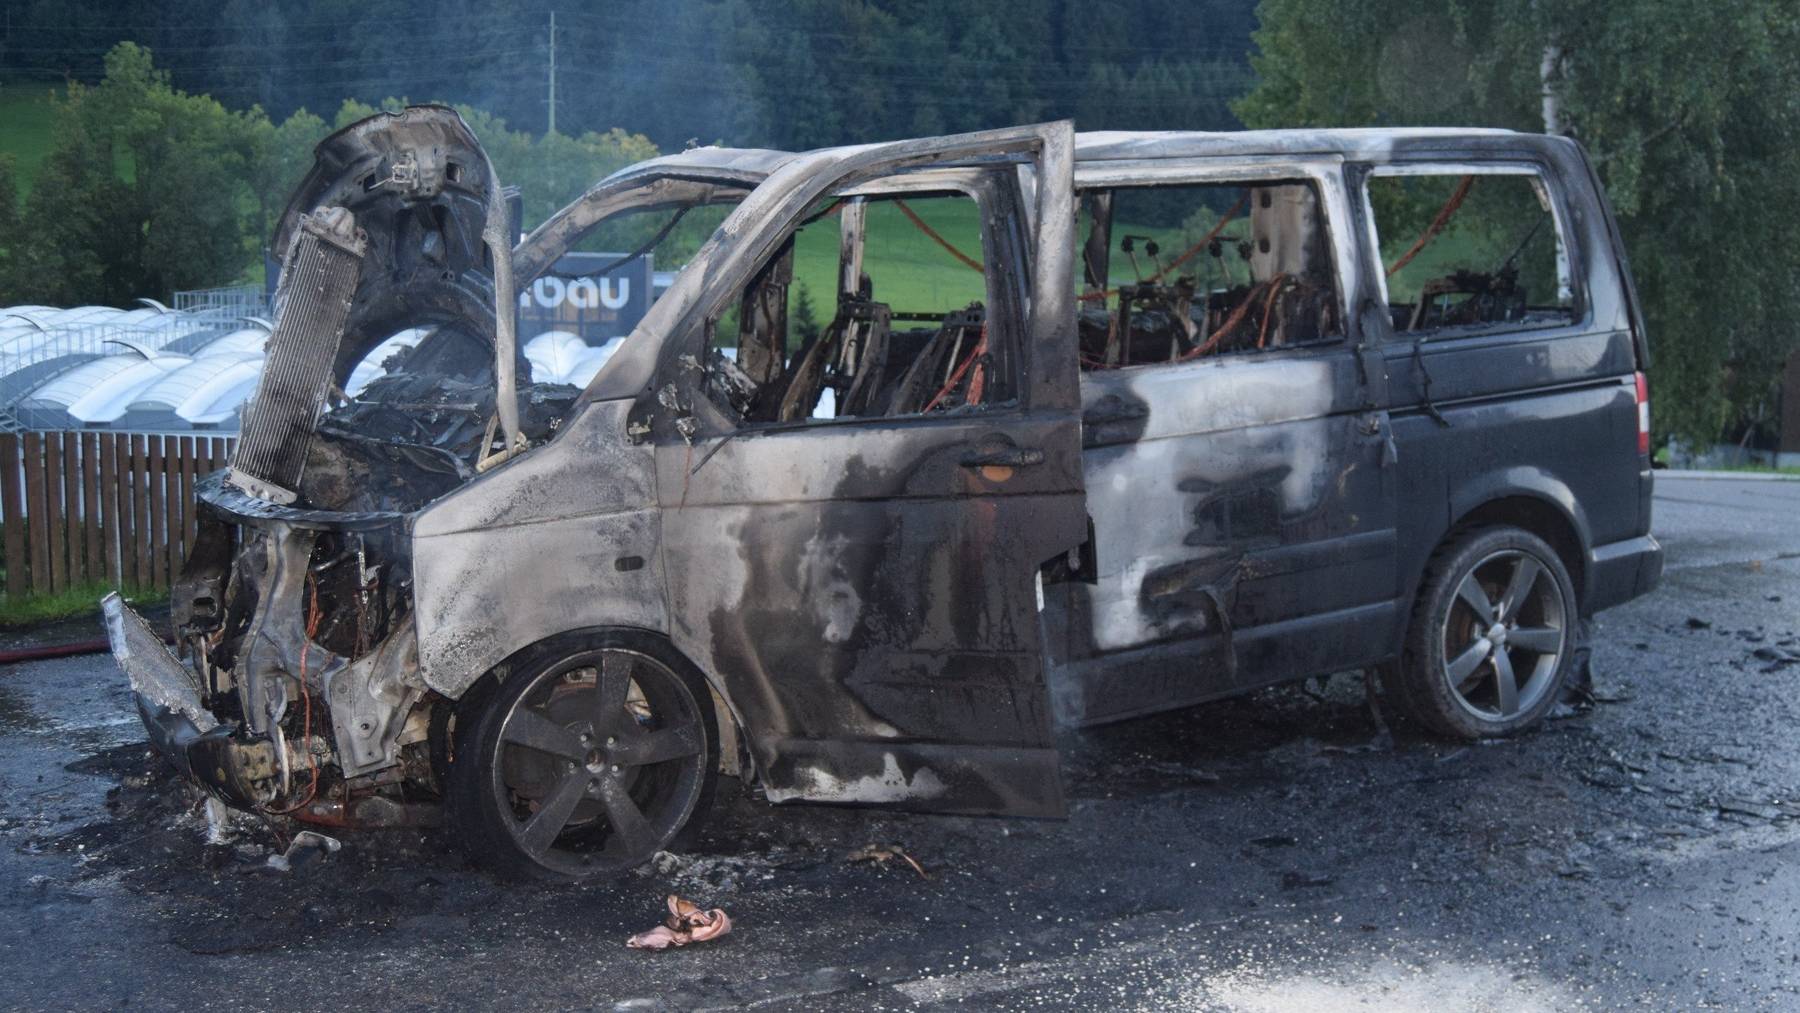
[
  {"x": 1258, "y": 491},
  {"x": 863, "y": 592}
]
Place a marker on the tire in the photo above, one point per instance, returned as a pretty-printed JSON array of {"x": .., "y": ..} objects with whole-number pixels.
[
  {"x": 593, "y": 754},
  {"x": 1492, "y": 636}
]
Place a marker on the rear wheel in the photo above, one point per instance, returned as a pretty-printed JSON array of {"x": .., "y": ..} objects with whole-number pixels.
[
  {"x": 1491, "y": 638},
  {"x": 590, "y": 758}
]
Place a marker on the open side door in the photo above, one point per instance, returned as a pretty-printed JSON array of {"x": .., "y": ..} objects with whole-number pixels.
[{"x": 864, "y": 589}]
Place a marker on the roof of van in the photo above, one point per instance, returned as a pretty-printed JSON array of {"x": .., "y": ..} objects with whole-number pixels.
[{"x": 1107, "y": 145}]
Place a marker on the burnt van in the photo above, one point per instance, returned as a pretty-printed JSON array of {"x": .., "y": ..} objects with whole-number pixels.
[{"x": 931, "y": 447}]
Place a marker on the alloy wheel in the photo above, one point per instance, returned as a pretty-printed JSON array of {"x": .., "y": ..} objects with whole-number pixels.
[
  {"x": 1504, "y": 635},
  {"x": 600, "y": 761}
]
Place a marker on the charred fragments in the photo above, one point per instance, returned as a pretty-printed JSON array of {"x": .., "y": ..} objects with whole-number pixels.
[{"x": 1175, "y": 428}]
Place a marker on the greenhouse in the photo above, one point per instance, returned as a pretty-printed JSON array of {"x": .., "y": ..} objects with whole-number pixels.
[{"x": 187, "y": 368}]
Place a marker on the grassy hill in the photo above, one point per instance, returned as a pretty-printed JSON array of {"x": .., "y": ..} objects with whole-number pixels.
[{"x": 25, "y": 115}]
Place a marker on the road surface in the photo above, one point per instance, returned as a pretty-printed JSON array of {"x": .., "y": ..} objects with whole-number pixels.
[{"x": 1268, "y": 853}]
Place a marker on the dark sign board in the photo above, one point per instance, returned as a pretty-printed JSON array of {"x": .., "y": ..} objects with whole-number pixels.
[{"x": 574, "y": 296}]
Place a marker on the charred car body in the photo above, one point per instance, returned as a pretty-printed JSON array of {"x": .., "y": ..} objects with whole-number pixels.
[{"x": 878, "y": 560}]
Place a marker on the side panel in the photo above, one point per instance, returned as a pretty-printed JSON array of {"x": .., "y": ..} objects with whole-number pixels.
[
  {"x": 1570, "y": 447},
  {"x": 1227, "y": 498},
  {"x": 564, "y": 538}
]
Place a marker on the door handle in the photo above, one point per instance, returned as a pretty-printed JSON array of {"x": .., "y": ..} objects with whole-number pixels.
[{"x": 1010, "y": 457}]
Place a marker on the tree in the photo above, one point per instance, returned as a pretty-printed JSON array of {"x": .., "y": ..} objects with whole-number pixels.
[
  {"x": 11, "y": 239},
  {"x": 69, "y": 243},
  {"x": 1687, "y": 113},
  {"x": 798, "y": 74},
  {"x": 280, "y": 156},
  {"x": 554, "y": 169},
  {"x": 148, "y": 190},
  {"x": 143, "y": 190}
]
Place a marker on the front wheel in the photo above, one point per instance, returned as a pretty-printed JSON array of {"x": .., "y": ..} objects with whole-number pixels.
[
  {"x": 1492, "y": 636},
  {"x": 587, "y": 760}
]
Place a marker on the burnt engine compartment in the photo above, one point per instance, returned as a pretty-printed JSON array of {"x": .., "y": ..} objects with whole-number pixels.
[
  {"x": 296, "y": 617},
  {"x": 409, "y": 438},
  {"x": 294, "y": 608}
]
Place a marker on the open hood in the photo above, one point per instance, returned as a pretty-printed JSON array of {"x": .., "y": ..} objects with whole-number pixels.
[
  {"x": 400, "y": 226},
  {"x": 422, "y": 191}
]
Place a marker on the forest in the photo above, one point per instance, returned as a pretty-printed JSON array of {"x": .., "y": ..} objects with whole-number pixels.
[{"x": 799, "y": 74}]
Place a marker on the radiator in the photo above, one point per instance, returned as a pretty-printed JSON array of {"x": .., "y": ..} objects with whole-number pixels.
[{"x": 318, "y": 278}]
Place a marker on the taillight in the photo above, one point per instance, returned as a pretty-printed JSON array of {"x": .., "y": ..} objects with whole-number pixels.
[{"x": 1643, "y": 407}]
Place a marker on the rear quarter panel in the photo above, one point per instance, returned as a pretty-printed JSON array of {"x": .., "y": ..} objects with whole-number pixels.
[
  {"x": 1571, "y": 446},
  {"x": 1547, "y": 413}
]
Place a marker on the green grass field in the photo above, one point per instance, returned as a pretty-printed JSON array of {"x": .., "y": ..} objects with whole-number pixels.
[
  {"x": 25, "y": 125},
  {"x": 911, "y": 272},
  {"x": 31, "y": 609}
]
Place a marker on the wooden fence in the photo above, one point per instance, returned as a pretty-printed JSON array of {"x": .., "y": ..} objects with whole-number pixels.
[{"x": 100, "y": 507}]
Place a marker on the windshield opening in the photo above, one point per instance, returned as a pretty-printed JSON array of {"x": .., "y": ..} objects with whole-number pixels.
[{"x": 417, "y": 409}]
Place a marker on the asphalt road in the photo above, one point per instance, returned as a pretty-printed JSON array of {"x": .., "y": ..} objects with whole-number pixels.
[{"x": 1269, "y": 853}]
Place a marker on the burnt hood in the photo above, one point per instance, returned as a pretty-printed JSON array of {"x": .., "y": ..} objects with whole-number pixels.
[{"x": 423, "y": 193}]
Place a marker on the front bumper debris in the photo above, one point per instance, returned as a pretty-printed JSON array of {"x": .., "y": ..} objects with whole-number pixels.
[{"x": 237, "y": 770}]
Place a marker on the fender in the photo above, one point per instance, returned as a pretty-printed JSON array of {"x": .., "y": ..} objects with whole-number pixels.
[
  {"x": 566, "y": 537},
  {"x": 1549, "y": 496},
  {"x": 1522, "y": 480}
]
